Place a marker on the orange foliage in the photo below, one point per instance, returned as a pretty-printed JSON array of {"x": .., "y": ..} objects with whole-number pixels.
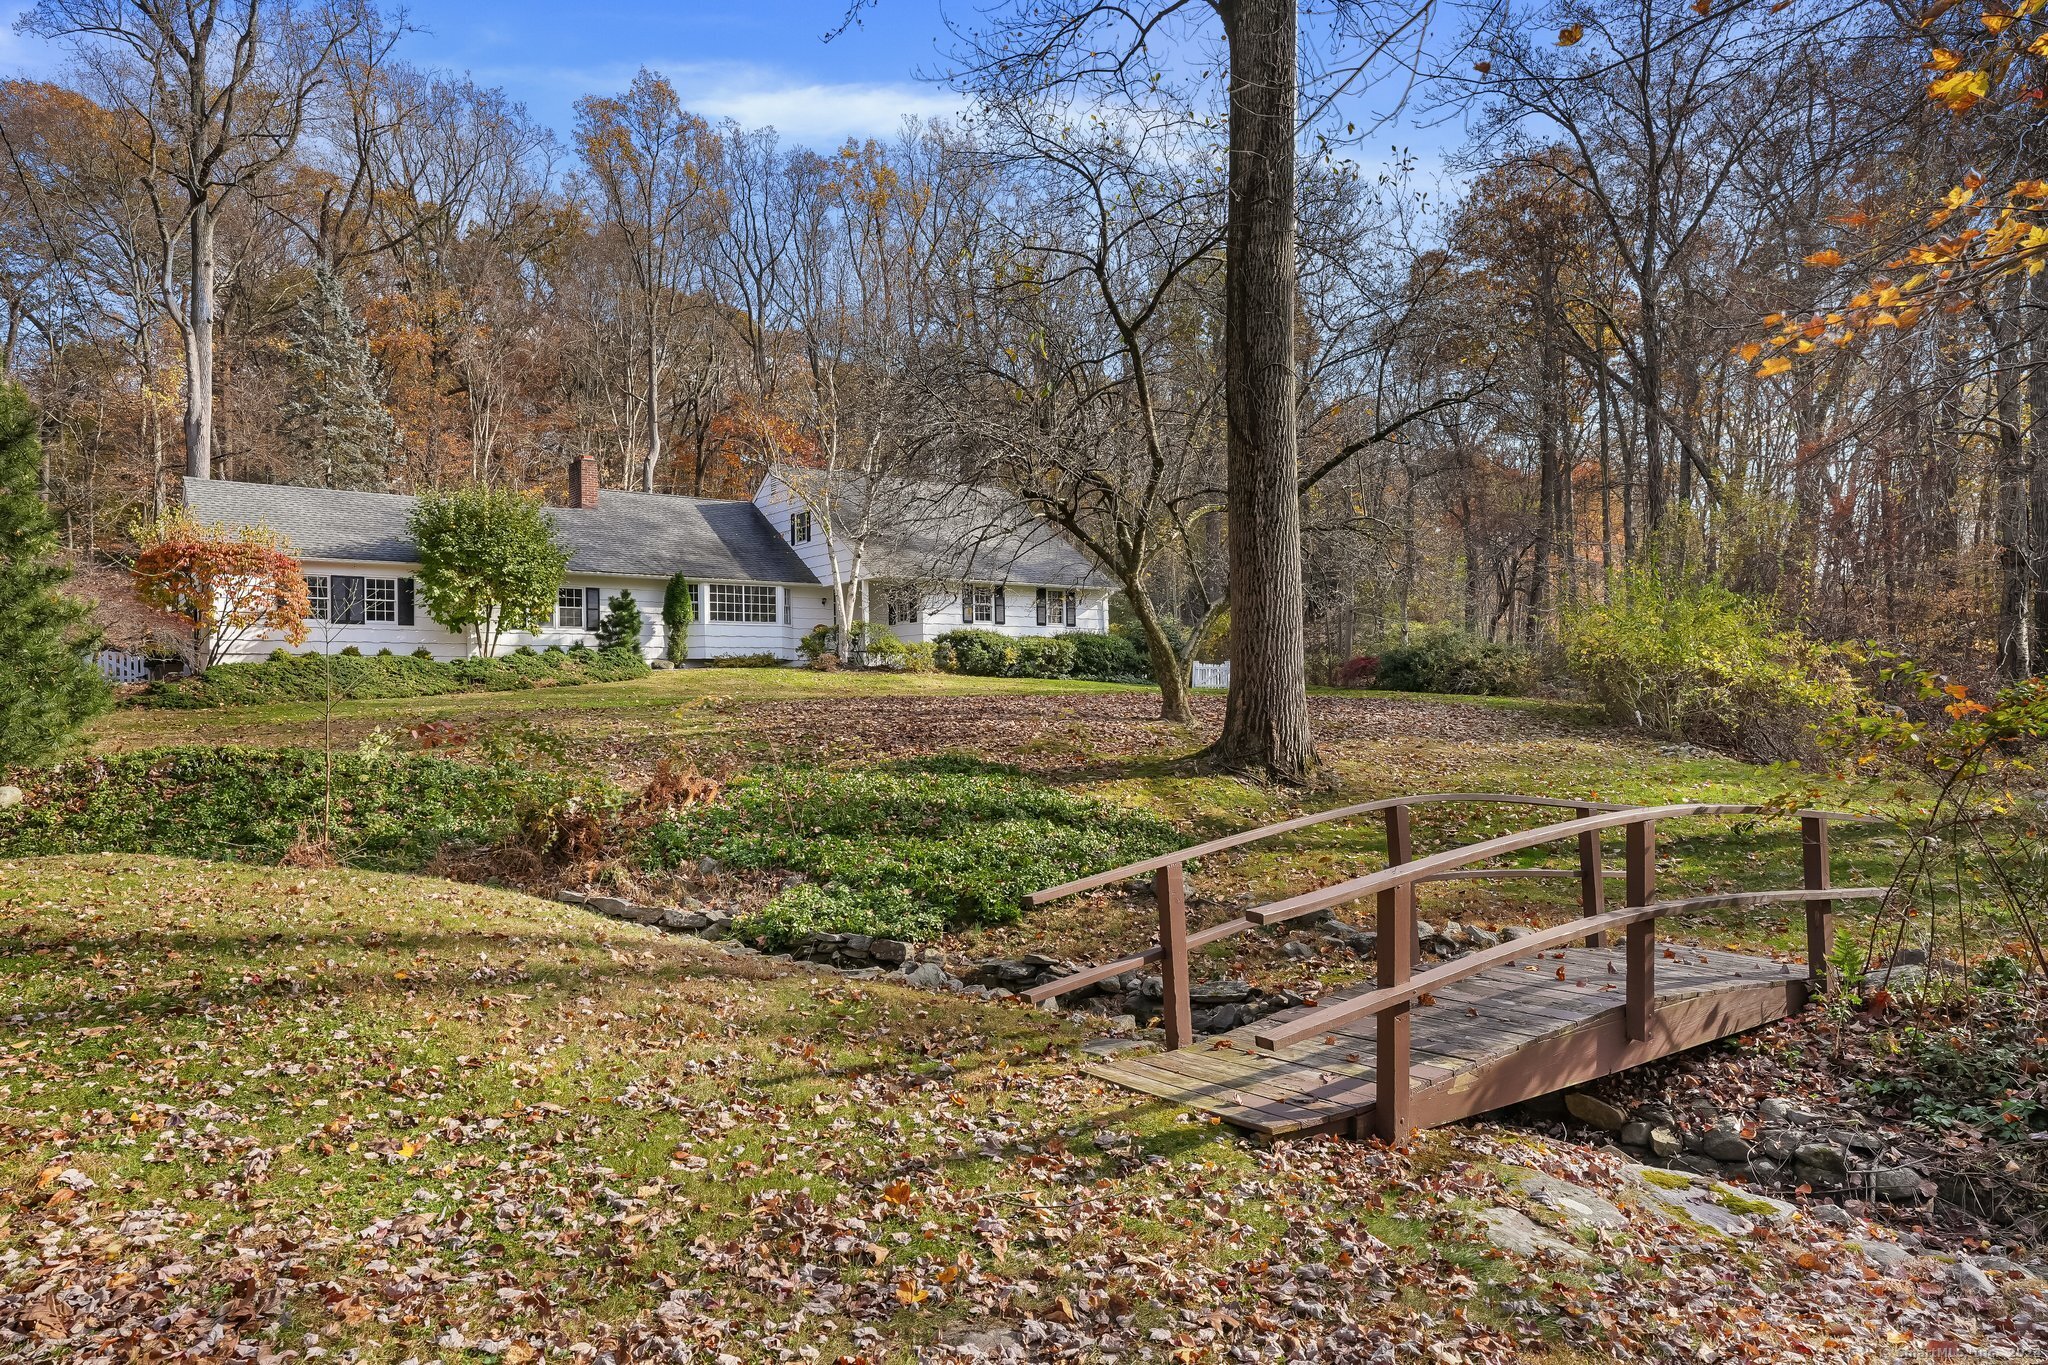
[{"x": 225, "y": 583}]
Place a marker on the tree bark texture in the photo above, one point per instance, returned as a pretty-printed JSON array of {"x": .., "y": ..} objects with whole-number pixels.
[{"x": 1265, "y": 728}]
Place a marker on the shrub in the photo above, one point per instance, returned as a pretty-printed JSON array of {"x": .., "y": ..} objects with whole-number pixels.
[
  {"x": 1043, "y": 656},
  {"x": 1443, "y": 659},
  {"x": 1108, "y": 658},
  {"x": 828, "y": 662},
  {"x": 820, "y": 639},
  {"x": 879, "y": 645},
  {"x": 745, "y": 661},
  {"x": 393, "y": 811},
  {"x": 620, "y": 626},
  {"x": 978, "y": 653},
  {"x": 1695, "y": 661},
  {"x": 489, "y": 561},
  {"x": 351, "y": 652},
  {"x": 423, "y": 653},
  {"x": 306, "y": 677},
  {"x": 966, "y": 841},
  {"x": 1361, "y": 671},
  {"x": 920, "y": 657},
  {"x": 678, "y": 611},
  {"x": 807, "y": 908}
]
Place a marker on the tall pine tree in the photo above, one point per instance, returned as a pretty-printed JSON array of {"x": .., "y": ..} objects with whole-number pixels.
[
  {"x": 333, "y": 408},
  {"x": 50, "y": 686}
]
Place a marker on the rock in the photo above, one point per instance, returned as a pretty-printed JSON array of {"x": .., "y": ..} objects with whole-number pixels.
[
  {"x": 1424, "y": 929},
  {"x": 1518, "y": 931},
  {"x": 1969, "y": 1277},
  {"x": 610, "y": 906},
  {"x": 565, "y": 896},
  {"x": 644, "y": 914},
  {"x": 1514, "y": 1231},
  {"x": 1697, "y": 1162},
  {"x": 1221, "y": 1019},
  {"x": 708, "y": 866},
  {"x": 10, "y": 796},
  {"x": 1894, "y": 1184},
  {"x": 1725, "y": 1144},
  {"x": 1886, "y": 1256},
  {"x": 1665, "y": 1141},
  {"x": 1574, "y": 1203},
  {"x": 1590, "y": 1109},
  {"x": 1656, "y": 1112},
  {"x": 684, "y": 921},
  {"x": 1852, "y": 1140},
  {"x": 927, "y": 976},
  {"x": 1906, "y": 957},
  {"x": 857, "y": 944},
  {"x": 1818, "y": 1158},
  {"x": 889, "y": 951},
  {"x": 2005, "y": 1265},
  {"x": 1778, "y": 1144},
  {"x": 1482, "y": 938},
  {"x": 1210, "y": 993},
  {"x": 1297, "y": 950},
  {"x": 1834, "y": 1215},
  {"x": 1786, "y": 1113},
  {"x": 1635, "y": 1133},
  {"x": 1764, "y": 1171},
  {"x": 1721, "y": 1207}
]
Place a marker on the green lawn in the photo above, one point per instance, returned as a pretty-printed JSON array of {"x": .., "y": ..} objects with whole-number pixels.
[
  {"x": 1105, "y": 739},
  {"x": 404, "y": 1119}
]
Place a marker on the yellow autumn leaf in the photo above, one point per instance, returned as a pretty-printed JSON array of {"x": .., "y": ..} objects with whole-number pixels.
[
  {"x": 1941, "y": 59},
  {"x": 1749, "y": 351},
  {"x": 1829, "y": 258},
  {"x": 1777, "y": 364},
  {"x": 1566, "y": 37},
  {"x": 1961, "y": 89}
]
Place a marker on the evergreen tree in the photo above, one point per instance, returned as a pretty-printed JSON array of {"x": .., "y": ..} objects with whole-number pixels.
[
  {"x": 678, "y": 610},
  {"x": 51, "y": 687},
  {"x": 332, "y": 406},
  {"x": 619, "y": 628}
]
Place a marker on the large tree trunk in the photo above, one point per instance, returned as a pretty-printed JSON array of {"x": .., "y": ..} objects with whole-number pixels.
[
  {"x": 2037, "y": 474},
  {"x": 1174, "y": 704},
  {"x": 2009, "y": 491},
  {"x": 199, "y": 348},
  {"x": 1265, "y": 728}
]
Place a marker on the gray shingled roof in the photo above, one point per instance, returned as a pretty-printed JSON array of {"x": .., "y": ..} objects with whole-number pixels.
[
  {"x": 636, "y": 535},
  {"x": 944, "y": 532}
]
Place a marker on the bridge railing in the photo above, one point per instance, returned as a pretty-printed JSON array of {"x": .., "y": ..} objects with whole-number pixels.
[{"x": 1394, "y": 891}]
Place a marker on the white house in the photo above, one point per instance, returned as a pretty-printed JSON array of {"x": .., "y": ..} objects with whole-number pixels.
[{"x": 754, "y": 568}]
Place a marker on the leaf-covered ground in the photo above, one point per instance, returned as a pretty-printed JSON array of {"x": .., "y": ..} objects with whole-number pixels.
[{"x": 267, "y": 1115}]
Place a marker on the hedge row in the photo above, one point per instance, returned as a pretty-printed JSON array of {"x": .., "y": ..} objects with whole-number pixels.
[{"x": 361, "y": 677}]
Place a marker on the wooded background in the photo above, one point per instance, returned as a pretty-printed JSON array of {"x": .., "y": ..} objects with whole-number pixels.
[{"x": 1506, "y": 397}]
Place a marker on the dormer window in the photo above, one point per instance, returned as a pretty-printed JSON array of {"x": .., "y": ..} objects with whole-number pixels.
[{"x": 799, "y": 528}]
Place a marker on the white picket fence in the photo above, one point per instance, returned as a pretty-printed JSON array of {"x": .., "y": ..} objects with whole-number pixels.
[
  {"x": 120, "y": 666},
  {"x": 1211, "y": 675}
]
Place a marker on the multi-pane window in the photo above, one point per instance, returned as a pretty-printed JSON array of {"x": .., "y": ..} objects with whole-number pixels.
[
  {"x": 316, "y": 595},
  {"x": 569, "y": 608},
  {"x": 799, "y": 528},
  {"x": 903, "y": 607},
  {"x": 380, "y": 599},
  {"x": 978, "y": 603},
  {"x": 744, "y": 602}
]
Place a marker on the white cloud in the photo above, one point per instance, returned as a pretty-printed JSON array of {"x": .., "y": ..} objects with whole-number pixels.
[{"x": 819, "y": 113}]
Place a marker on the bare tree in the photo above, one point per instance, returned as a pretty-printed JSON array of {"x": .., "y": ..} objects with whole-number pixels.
[{"x": 211, "y": 97}]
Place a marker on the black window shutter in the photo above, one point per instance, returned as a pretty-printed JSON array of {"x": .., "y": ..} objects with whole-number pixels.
[
  {"x": 345, "y": 606},
  {"x": 1001, "y": 593},
  {"x": 405, "y": 611},
  {"x": 1041, "y": 606},
  {"x": 593, "y": 607},
  {"x": 1073, "y": 600},
  {"x": 967, "y": 603}
]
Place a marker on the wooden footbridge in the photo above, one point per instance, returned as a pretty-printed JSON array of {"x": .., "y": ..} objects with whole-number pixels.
[{"x": 1535, "y": 1014}]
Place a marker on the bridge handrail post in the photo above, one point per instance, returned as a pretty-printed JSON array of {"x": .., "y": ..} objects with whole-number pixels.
[
  {"x": 1400, "y": 849},
  {"x": 1592, "y": 895},
  {"x": 1392, "y": 1120},
  {"x": 1176, "y": 1010},
  {"x": 1640, "y": 1002},
  {"x": 1820, "y": 911}
]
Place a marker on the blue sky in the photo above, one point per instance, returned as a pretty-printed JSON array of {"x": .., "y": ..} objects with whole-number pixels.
[{"x": 762, "y": 63}]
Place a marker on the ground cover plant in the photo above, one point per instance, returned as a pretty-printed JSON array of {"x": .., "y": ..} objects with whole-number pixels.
[
  {"x": 383, "y": 810},
  {"x": 965, "y": 839},
  {"x": 251, "y": 1112},
  {"x": 286, "y": 677}
]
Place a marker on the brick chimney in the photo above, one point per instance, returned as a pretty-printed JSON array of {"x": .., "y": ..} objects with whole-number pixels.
[{"x": 583, "y": 481}]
